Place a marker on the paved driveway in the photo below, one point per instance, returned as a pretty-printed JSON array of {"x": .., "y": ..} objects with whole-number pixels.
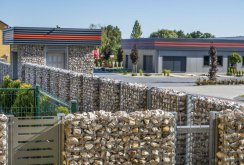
[{"x": 186, "y": 84}]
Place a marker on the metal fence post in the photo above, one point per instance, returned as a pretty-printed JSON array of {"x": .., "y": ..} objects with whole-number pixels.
[
  {"x": 37, "y": 95},
  {"x": 149, "y": 98},
  {"x": 10, "y": 139},
  {"x": 73, "y": 106},
  {"x": 213, "y": 137},
  {"x": 189, "y": 110}
]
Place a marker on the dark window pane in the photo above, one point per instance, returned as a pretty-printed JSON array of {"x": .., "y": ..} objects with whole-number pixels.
[
  {"x": 206, "y": 60},
  {"x": 220, "y": 60}
]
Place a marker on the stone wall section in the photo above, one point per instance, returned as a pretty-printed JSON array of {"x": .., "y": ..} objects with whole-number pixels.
[
  {"x": 5, "y": 69},
  {"x": 80, "y": 59},
  {"x": 90, "y": 93},
  {"x": 3, "y": 139},
  {"x": 170, "y": 100},
  {"x": 29, "y": 54},
  {"x": 231, "y": 137},
  {"x": 141, "y": 137},
  {"x": 109, "y": 94},
  {"x": 133, "y": 97}
]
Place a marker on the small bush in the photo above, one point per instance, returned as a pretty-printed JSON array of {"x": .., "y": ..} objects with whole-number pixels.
[
  {"x": 166, "y": 72},
  {"x": 134, "y": 74},
  {"x": 219, "y": 82},
  {"x": 62, "y": 109},
  {"x": 141, "y": 72},
  {"x": 147, "y": 74}
]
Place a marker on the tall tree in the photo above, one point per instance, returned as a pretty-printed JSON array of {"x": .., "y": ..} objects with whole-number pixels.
[
  {"x": 214, "y": 63},
  {"x": 136, "y": 32},
  {"x": 120, "y": 56},
  {"x": 134, "y": 57},
  {"x": 111, "y": 37}
]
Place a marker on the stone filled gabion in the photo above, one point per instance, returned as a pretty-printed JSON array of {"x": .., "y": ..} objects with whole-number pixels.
[
  {"x": 109, "y": 91},
  {"x": 76, "y": 88},
  {"x": 203, "y": 106},
  {"x": 32, "y": 70},
  {"x": 54, "y": 82},
  {"x": 46, "y": 79},
  {"x": 40, "y": 75},
  {"x": 140, "y": 137},
  {"x": 90, "y": 93},
  {"x": 64, "y": 85},
  {"x": 33, "y": 54},
  {"x": 3, "y": 139},
  {"x": 231, "y": 137},
  {"x": 5, "y": 69},
  {"x": 133, "y": 97},
  {"x": 81, "y": 59},
  {"x": 170, "y": 100}
]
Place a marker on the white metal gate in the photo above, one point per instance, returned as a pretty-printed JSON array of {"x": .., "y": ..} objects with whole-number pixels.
[{"x": 35, "y": 140}]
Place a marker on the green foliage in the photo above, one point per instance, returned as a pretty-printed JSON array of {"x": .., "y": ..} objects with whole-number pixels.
[
  {"x": 147, "y": 74},
  {"x": 125, "y": 73},
  {"x": 107, "y": 52},
  {"x": 234, "y": 58},
  {"x": 134, "y": 74},
  {"x": 165, "y": 33},
  {"x": 141, "y": 72},
  {"x": 136, "y": 32},
  {"x": 166, "y": 72},
  {"x": 111, "y": 39},
  {"x": 219, "y": 82},
  {"x": 62, "y": 109},
  {"x": 120, "y": 56},
  {"x": 24, "y": 104}
]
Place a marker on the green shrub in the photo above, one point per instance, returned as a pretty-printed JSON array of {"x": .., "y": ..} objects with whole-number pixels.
[
  {"x": 141, "y": 72},
  {"x": 134, "y": 74},
  {"x": 62, "y": 109},
  {"x": 147, "y": 74},
  {"x": 24, "y": 104},
  {"x": 125, "y": 73},
  {"x": 166, "y": 72}
]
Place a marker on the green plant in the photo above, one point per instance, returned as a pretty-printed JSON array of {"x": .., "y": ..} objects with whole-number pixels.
[
  {"x": 134, "y": 74},
  {"x": 147, "y": 74},
  {"x": 234, "y": 58},
  {"x": 141, "y": 72},
  {"x": 62, "y": 109},
  {"x": 166, "y": 72},
  {"x": 24, "y": 104},
  {"x": 125, "y": 73}
]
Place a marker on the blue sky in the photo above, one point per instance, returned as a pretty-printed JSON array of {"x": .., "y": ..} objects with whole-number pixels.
[{"x": 219, "y": 17}]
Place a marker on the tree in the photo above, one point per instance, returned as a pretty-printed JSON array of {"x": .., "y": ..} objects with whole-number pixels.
[
  {"x": 136, "y": 32},
  {"x": 120, "y": 56},
  {"x": 134, "y": 57},
  {"x": 107, "y": 52},
  {"x": 111, "y": 36},
  {"x": 214, "y": 63},
  {"x": 165, "y": 33},
  {"x": 234, "y": 58}
]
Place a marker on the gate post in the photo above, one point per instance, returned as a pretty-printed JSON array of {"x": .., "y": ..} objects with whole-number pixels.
[
  {"x": 213, "y": 137},
  {"x": 10, "y": 139},
  {"x": 61, "y": 136},
  {"x": 73, "y": 106}
]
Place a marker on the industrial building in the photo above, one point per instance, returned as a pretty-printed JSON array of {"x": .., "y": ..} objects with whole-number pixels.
[{"x": 181, "y": 55}]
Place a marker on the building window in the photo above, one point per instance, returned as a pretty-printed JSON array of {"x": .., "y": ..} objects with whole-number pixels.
[
  {"x": 56, "y": 56},
  {"x": 206, "y": 60},
  {"x": 220, "y": 60}
]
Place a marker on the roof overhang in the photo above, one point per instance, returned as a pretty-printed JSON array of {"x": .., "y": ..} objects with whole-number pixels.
[{"x": 52, "y": 36}]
